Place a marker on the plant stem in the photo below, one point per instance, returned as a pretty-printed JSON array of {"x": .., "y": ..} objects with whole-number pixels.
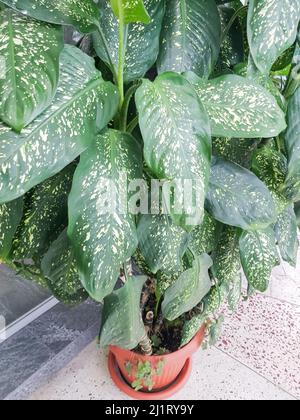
[
  {"x": 131, "y": 126},
  {"x": 231, "y": 22},
  {"x": 124, "y": 111},
  {"x": 146, "y": 345},
  {"x": 122, "y": 48}
]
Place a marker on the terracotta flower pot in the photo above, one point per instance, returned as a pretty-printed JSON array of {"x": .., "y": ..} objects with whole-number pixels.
[{"x": 169, "y": 372}]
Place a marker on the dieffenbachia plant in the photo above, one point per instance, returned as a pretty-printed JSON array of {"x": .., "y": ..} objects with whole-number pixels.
[{"x": 111, "y": 95}]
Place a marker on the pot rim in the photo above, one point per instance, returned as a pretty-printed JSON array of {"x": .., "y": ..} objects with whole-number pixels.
[{"x": 187, "y": 350}]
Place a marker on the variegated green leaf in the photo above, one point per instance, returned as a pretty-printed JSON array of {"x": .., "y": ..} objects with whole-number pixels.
[
  {"x": 235, "y": 292},
  {"x": 226, "y": 257},
  {"x": 271, "y": 167},
  {"x": 102, "y": 231},
  {"x": 142, "y": 44},
  {"x": 161, "y": 243},
  {"x": 81, "y": 14},
  {"x": 239, "y": 107},
  {"x": 292, "y": 142},
  {"x": 122, "y": 323},
  {"x": 83, "y": 102},
  {"x": 176, "y": 132},
  {"x": 45, "y": 216},
  {"x": 286, "y": 231},
  {"x": 297, "y": 213},
  {"x": 239, "y": 151},
  {"x": 31, "y": 52},
  {"x": 215, "y": 331},
  {"x": 272, "y": 28},
  {"x": 236, "y": 197},
  {"x": 259, "y": 256},
  {"x": 59, "y": 267},
  {"x": 203, "y": 237},
  {"x": 189, "y": 290},
  {"x": 190, "y": 37},
  {"x": 10, "y": 217},
  {"x": 191, "y": 327},
  {"x": 130, "y": 11}
]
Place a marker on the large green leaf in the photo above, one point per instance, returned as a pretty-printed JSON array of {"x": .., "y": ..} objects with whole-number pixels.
[
  {"x": 176, "y": 132},
  {"x": 83, "y": 102},
  {"x": 81, "y": 14},
  {"x": 203, "y": 237},
  {"x": 286, "y": 231},
  {"x": 59, "y": 267},
  {"x": 239, "y": 107},
  {"x": 226, "y": 257},
  {"x": 272, "y": 28},
  {"x": 142, "y": 44},
  {"x": 271, "y": 167},
  {"x": 10, "y": 216},
  {"x": 130, "y": 11},
  {"x": 103, "y": 234},
  {"x": 31, "y": 52},
  {"x": 236, "y": 197},
  {"x": 122, "y": 323},
  {"x": 45, "y": 215},
  {"x": 292, "y": 142},
  {"x": 161, "y": 243},
  {"x": 237, "y": 150},
  {"x": 259, "y": 256},
  {"x": 190, "y": 288},
  {"x": 190, "y": 37}
]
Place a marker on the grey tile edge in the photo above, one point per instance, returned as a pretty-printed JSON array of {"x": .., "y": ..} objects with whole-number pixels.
[{"x": 46, "y": 372}]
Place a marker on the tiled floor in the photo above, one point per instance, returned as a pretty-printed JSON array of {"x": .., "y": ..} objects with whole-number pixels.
[{"x": 257, "y": 358}]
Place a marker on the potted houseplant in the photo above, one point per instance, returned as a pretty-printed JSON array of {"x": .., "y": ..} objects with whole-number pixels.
[{"x": 162, "y": 141}]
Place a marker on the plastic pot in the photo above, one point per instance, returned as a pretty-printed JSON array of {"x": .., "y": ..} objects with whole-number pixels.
[{"x": 173, "y": 369}]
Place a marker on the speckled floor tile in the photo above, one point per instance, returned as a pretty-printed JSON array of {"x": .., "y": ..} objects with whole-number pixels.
[
  {"x": 264, "y": 335},
  {"x": 215, "y": 376}
]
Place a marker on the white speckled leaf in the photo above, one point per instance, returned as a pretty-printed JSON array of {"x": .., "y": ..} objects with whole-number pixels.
[
  {"x": 122, "y": 323},
  {"x": 191, "y": 327},
  {"x": 236, "y": 150},
  {"x": 286, "y": 231},
  {"x": 59, "y": 267},
  {"x": 82, "y": 14},
  {"x": 190, "y": 37},
  {"x": 176, "y": 131},
  {"x": 161, "y": 243},
  {"x": 292, "y": 142},
  {"x": 271, "y": 167},
  {"x": 239, "y": 107},
  {"x": 10, "y": 217},
  {"x": 236, "y": 197},
  {"x": 235, "y": 292},
  {"x": 103, "y": 237},
  {"x": 45, "y": 215},
  {"x": 203, "y": 237},
  {"x": 142, "y": 44},
  {"x": 30, "y": 50},
  {"x": 82, "y": 103},
  {"x": 272, "y": 28},
  {"x": 130, "y": 10},
  {"x": 189, "y": 289},
  {"x": 259, "y": 256}
]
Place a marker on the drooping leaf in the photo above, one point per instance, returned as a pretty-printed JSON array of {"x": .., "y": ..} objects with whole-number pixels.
[
  {"x": 236, "y": 197},
  {"x": 142, "y": 44},
  {"x": 10, "y": 217},
  {"x": 130, "y": 11},
  {"x": 235, "y": 292},
  {"x": 59, "y": 267},
  {"x": 102, "y": 231},
  {"x": 226, "y": 257},
  {"x": 45, "y": 215},
  {"x": 176, "y": 133},
  {"x": 292, "y": 142},
  {"x": 215, "y": 331},
  {"x": 81, "y": 14},
  {"x": 239, "y": 151},
  {"x": 272, "y": 28},
  {"x": 259, "y": 256},
  {"x": 286, "y": 231},
  {"x": 190, "y": 37},
  {"x": 161, "y": 243},
  {"x": 31, "y": 52},
  {"x": 122, "y": 323},
  {"x": 203, "y": 237},
  {"x": 239, "y": 107},
  {"x": 83, "y": 103},
  {"x": 190, "y": 288},
  {"x": 191, "y": 327},
  {"x": 271, "y": 167}
]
